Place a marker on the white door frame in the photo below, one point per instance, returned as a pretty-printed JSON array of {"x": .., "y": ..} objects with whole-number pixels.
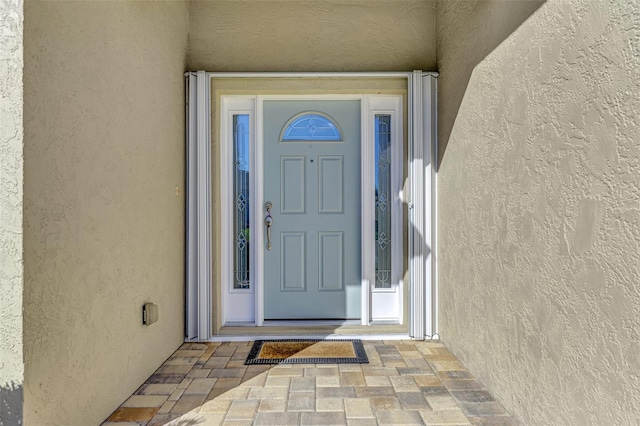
[
  {"x": 420, "y": 199},
  {"x": 247, "y": 306}
]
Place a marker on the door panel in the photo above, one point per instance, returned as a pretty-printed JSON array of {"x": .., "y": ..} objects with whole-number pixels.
[
  {"x": 313, "y": 270},
  {"x": 331, "y": 261},
  {"x": 293, "y": 261},
  {"x": 331, "y": 184},
  {"x": 292, "y": 184}
]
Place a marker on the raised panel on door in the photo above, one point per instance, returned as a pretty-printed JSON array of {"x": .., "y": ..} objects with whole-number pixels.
[
  {"x": 292, "y": 184},
  {"x": 331, "y": 184},
  {"x": 330, "y": 261},
  {"x": 293, "y": 261}
]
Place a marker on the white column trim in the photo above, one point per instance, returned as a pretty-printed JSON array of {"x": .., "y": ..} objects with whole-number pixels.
[
  {"x": 422, "y": 169},
  {"x": 191, "y": 296},
  {"x": 430, "y": 128},
  {"x": 204, "y": 206},
  {"x": 198, "y": 268},
  {"x": 416, "y": 209}
]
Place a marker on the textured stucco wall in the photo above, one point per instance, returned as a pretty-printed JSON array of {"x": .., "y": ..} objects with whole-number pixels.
[
  {"x": 11, "y": 205},
  {"x": 539, "y": 206},
  {"x": 104, "y": 221},
  {"x": 320, "y": 35}
]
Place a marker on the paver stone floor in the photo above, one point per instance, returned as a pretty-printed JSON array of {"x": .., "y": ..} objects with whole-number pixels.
[{"x": 405, "y": 382}]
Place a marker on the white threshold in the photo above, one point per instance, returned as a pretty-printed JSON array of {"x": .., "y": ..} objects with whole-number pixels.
[
  {"x": 250, "y": 338},
  {"x": 292, "y": 323}
]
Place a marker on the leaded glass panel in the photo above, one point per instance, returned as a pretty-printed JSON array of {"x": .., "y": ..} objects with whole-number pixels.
[
  {"x": 241, "y": 230},
  {"x": 311, "y": 127},
  {"x": 383, "y": 200}
]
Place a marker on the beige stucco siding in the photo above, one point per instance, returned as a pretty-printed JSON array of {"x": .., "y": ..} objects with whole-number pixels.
[
  {"x": 104, "y": 201},
  {"x": 11, "y": 209},
  {"x": 539, "y": 204},
  {"x": 321, "y": 35}
]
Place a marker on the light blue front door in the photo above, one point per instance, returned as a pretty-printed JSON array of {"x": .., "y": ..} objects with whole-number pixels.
[{"x": 312, "y": 180}]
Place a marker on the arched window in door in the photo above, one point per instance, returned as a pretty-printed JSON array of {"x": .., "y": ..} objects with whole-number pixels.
[{"x": 311, "y": 126}]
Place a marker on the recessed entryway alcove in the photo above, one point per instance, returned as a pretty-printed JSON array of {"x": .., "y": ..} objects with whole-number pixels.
[{"x": 349, "y": 247}]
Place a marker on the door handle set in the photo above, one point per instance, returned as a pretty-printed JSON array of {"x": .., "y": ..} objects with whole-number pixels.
[{"x": 268, "y": 221}]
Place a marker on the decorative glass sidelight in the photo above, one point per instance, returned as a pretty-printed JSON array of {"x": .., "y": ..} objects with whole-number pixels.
[
  {"x": 241, "y": 231},
  {"x": 384, "y": 199}
]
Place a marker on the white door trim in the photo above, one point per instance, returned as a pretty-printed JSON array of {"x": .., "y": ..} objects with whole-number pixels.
[{"x": 421, "y": 199}]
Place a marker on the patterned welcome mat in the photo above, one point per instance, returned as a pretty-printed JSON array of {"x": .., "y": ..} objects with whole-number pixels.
[{"x": 307, "y": 351}]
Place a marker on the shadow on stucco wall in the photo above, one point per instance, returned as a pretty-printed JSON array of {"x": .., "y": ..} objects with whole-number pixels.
[
  {"x": 11, "y": 397},
  {"x": 460, "y": 49}
]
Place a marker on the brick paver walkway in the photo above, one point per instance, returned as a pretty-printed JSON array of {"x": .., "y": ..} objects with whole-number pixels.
[{"x": 405, "y": 382}]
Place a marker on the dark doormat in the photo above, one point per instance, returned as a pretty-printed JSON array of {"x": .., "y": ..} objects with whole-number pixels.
[{"x": 307, "y": 351}]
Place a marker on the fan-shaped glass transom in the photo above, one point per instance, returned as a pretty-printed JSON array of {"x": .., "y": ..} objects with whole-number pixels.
[{"x": 311, "y": 127}]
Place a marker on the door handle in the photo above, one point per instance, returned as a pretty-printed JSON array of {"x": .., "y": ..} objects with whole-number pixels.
[{"x": 268, "y": 221}]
